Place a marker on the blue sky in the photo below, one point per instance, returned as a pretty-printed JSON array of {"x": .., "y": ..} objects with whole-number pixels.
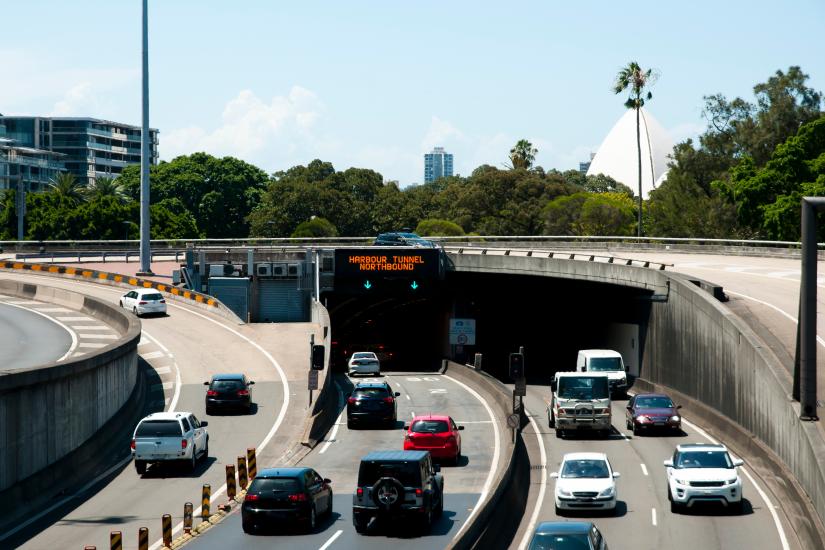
[{"x": 375, "y": 84}]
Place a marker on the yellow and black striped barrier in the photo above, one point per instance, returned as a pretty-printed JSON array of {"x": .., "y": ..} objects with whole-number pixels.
[
  {"x": 187, "y": 518},
  {"x": 166, "y": 524},
  {"x": 230, "y": 481},
  {"x": 115, "y": 540},
  {"x": 206, "y": 496},
  {"x": 115, "y": 277},
  {"x": 143, "y": 538},
  {"x": 242, "y": 472},
  {"x": 251, "y": 463}
]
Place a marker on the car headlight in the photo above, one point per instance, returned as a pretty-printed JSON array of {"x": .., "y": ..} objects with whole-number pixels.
[
  {"x": 564, "y": 493},
  {"x": 623, "y": 381},
  {"x": 642, "y": 418},
  {"x": 675, "y": 418},
  {"x": 609, "y": 492},
  {"x": 731, "y": 481},
  {"x": 680, "y": 481}
]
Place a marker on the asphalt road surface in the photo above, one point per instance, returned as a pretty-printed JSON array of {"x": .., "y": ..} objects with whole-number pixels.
[{"x": 29, "y": 339}]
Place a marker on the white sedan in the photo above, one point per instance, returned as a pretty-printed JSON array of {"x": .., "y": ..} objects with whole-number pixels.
[
  {"x": 585, "y": 481},
  {"x": 143, "y": 301},
  {"x": 363, "y": 362}
]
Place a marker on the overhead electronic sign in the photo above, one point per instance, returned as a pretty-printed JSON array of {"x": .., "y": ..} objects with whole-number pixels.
[{"x": 387, "y": 263}]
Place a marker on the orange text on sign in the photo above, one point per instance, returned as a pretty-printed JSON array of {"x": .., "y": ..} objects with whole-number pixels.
[{"x": 386, "y": 263}]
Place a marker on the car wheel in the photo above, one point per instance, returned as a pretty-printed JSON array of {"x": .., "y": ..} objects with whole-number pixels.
[
  {"x": 194, "y": 462},
  {"x": 440, "y": 510},
  {"x": 636, "y": 429},
  {"x": 140, "y": 466},
  {"x": 551, "y": 420},
  {"x": 310, "y": 525},
  {"x": 205, "y": 454},
  {"x": 209, "y": 410},
  {"x": 559, "y": 512},
  {"x": 559, "y": 433},
  {"x": 135, "y": 311},
  {"x": 427, "y": 521},
  {"x": 121, "y": 303},
  {"x": 248, "y": 528},
  {"x": 329, "y": 508},
  {"x": 350, "y": 423},
  {"x": 361, "y": 524},
  {"x": 738, "y": 507}
]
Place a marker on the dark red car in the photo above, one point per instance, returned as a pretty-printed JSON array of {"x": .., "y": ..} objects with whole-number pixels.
[
  {"x": 652, "y": 410},
  {"x": 434, "y": 433}
]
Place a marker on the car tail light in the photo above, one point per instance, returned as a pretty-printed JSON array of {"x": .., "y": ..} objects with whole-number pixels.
[
  {"x": 451, "y": 439},
  {"x": 211, "y": 393},
  {"x": 418, "y": 492},
  {"x": 143, "y": 303},
  {"x": 183, "y": 443},
  {"x": 251, "y": 497},
  {"x": 359, "y": 491},
  {"x": 132, "y": 445},
  {"x": 243, "y": 393},
  {"x": 350, "y": 400},
  {"x": 389, "y": 400},
  {"x": 297, "y": 497}
]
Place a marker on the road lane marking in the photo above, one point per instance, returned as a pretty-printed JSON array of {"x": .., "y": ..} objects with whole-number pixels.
[
  {"x": 162, "y": 370},
  {"x": 74, "y": 318},
  {"x": 771, "y": 508},
  {"x": 496, "y": 453},
  {"x": 525, "y": 539},
  {"x": 331, "y": 539},
  {"x": 55, "y": 320},
  {"x": 92, "y": 345},
  {"x": 90, "y": 327},
  {"x": 653, "y": 516},
  {"x": 54, "y": 310},
  {"x": 407, "y": 396},
  {"x": 93, "y": 336},
  {"x": 775, "y": 308},
  {"x": 412, "y": 413},
  {"x": 152, "y": 355},
  {"x": 644, "y": 469}
]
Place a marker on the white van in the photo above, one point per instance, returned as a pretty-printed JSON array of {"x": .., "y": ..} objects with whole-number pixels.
[{"x": 605, "y": 361}]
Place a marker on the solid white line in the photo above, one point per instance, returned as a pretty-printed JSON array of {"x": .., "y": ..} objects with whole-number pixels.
[
  {"x": 331, "y": 539},
  {"x": 773, "y": 307},
  {"x": 337, "y": 423},
  {"x": 176, "y": 395},
  {"x": 653, "y": 516},
  {"x": 152, "y": 355},
  {"x": 771, "y": 508},
  {"x": 72, "y": 334},
  {"x": 644, "y": 469},
  {"x": 496, "y": 452},
  {"x": 534, "y": 517},
  {"x": 74, "y": 318}
]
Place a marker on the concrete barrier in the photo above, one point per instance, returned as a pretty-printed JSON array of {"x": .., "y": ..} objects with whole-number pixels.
[{"x": 325, "y": 408}]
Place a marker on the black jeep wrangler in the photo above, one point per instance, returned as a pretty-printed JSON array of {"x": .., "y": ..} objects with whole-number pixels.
[{"x": 398, "y": 485}]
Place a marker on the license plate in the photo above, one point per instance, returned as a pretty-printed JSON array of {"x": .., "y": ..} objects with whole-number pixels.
[{"x": 659, "y": 424}]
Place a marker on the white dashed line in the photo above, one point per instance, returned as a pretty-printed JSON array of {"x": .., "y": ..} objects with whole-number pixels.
[
  {"x": 54, "y": 310},
  {"x": 92, "y": 345},
  {"x": 331, "y": 539},
  {"x": 93, "y": 336},
  {"x": 653, "y": 516},
  {"x": 89, "y": 327},
  {"x": 644, "y": 469},
  {"x": 74, "y": 318},
  {"x": 163, "y": 370},
  {"x": 152, "y": 355}
]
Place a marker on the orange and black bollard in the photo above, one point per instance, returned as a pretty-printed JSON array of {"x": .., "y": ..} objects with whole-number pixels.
[
  {"x": 251, "y": 463},
  {"x": 115, "y": 540},
  {"x": 166, "y": 524},
  {"x": 242, "y": 472},
  {"x": 206, "y": 497},
  {"x": 187, "y": 518},
  {"x": 230, "y": 481},
  {"x": 143, "y": 538}
]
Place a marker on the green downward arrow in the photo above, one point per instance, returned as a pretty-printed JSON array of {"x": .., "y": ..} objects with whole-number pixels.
[
  {"x": 414, "y": 285},
  {"x": 367, "y": 285}
]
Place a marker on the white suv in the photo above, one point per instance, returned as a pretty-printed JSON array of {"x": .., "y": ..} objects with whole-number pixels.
[
  {"x": 701, "y": 472},
  {"x": 169, "y": 436}
]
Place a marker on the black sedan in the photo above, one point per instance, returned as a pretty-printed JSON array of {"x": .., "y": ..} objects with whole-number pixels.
[
  {"x": 286, "y": 496},
  {"x": 228, "y": 391},
  {"x": 372, "y": 402}
]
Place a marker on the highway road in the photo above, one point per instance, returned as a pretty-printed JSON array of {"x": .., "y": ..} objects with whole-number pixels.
[
  {"x": 339, "y": 457},
  {"x": 185, "y": 348},
  {"x": 29, "y": 338}
]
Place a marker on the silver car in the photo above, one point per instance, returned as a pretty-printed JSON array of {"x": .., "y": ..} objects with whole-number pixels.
[
  {"x": 363, "y": 362},
  {"x": 143, "y": 301}
]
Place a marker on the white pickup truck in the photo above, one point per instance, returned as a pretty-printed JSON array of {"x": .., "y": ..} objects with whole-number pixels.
[
  {"x": 580, "y": 401},
  {"x": 169, "y": 436}
]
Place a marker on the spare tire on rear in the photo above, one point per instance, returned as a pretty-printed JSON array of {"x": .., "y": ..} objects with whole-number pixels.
[{"x": 388, "y": 493}]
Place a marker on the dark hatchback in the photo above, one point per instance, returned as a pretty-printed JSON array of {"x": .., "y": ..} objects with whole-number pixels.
[
  {"x": 371, "y": 402},
  {"x": 403, "y": 239},
  {"x": 286, "y": 496},
  {"x": 228, "y": 391},
  {"x": 567, "y": 535},
  {"x": 648, "y": 411}
]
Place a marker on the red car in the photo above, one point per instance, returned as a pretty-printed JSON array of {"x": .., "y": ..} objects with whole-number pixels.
[
  {"x": 646, "y": 411},
  {"x": 434, "y": 433}
]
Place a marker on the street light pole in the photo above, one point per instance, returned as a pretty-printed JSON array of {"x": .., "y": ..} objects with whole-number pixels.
[{"x": 145, "y": 154}]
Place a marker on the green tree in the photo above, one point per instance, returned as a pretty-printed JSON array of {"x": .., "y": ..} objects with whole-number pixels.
[
  {"x": 590, "y": 214},
  {"x": 105, "y": 187},
  {"x": 523, "y": 155},
  {"x": 169, "y": 219},
  {"x": 438, "y": 228},
  {"x": 315, "y": 227},
  {"x": 66, "y": 186},
  {"x": 638, "y": 81}
]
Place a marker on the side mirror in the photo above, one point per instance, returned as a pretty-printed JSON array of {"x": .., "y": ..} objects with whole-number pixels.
[
  {"x": 627, "y": 368},
  {"x": 554, "y": 475},
  {"x": 406, "y": 426},
  {"x": 398, "y": 394},
  {"x": 552, "y": 385},
  {"x": 738, "y": 462},
  {"x": 206, "y": 383},
  {"x": 436, "y": 467},
  {"x": 629, "y": 408},
  {"x": 678, "y": 406},
  {"x": 461, "y": 427},
  {"x": 669, "y": 463},
  {"x": 251, "y": 382},
  {"x": 327, "y": 480},
  {"x": 204, "y": 423},
  {"x": 616, "y": 474}
]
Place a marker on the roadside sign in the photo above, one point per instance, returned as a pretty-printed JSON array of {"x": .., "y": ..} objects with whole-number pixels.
[
  {"x": 521, "y": 387},
  {"x": 463, "y": 332},
  {"x": 513, "y": 421},
  {"x": 313, "y": 380}
]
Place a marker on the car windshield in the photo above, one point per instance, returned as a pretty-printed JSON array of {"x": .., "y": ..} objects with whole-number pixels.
[
  {"x": 703, "y": 459},
  {"x": 583, "y": 387},
  {"x": 410, "y": 236},
  {"x": 225, "y": 385},
  {"x": 266, "y": 484},
  {"x": 159, "y": 428},
  {"x": 152, "y": 297},
  {"x": 371, "y": 392},
  {"x": 601, "y": 364},
  {"x": 573, "y": 541},
  {"x": 364, "y": 355},
  {"x": 430, "y": 427},
  {"x": 654, "y": 403},
  {"x": 585, "y": 468},
  {"x": 408, "y": 473}
]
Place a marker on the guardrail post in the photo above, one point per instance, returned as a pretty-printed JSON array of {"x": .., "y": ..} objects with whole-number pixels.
[
  {"x": 143, "y": 538},
  {"x": 115, "y": 540},
  {"x": 230, "y": 481},
  {"x": 187, "y": 518},
  {"x": 251, "y": 463},
  {"x": 206, "y": 496},
  {"x": 166, "y": 524},
  {"x": 242, "y": 472}
]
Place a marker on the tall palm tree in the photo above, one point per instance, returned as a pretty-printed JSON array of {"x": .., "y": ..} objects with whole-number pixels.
[
  {"x": 638, "y": 81},
  {"x": 523, "y": 154},
  {"x": 105, "y": 187},
  {"x": 66, "y": 186}
]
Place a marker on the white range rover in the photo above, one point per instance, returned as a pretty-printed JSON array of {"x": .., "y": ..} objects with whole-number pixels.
[{"x": 700, "y": 472}]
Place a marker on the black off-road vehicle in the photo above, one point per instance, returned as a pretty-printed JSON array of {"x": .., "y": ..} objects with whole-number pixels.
[{"x": 398, "y": 485}]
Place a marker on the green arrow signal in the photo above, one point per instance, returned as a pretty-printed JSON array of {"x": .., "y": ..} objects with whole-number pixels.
[
  {"x": 367, "y": 285},
  {"x": 413, "y": 285}
]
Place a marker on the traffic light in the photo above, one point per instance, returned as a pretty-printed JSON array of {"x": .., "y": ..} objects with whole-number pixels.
[
  {"x": 516, "y": 366},
  {"x": 317, "y": 357}
]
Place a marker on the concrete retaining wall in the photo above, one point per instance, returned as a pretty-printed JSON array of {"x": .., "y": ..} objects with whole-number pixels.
[
  {"x": 325, "y": 409},
  {"x": 49, "y": 411}
]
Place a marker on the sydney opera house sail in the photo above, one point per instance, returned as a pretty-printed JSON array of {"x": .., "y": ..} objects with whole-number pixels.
[{"x": 617, "y": 156}]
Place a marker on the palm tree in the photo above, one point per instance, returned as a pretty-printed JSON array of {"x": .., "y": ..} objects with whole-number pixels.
[
  {"x": 105, "y": 187},
  {"x": 523, "y": 154},
  {"x": 637, "y": 80},
  {"x": 66, "y": 186}
]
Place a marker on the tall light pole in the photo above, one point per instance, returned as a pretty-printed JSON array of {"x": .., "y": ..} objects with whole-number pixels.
[{"x": 145, "y": 154}]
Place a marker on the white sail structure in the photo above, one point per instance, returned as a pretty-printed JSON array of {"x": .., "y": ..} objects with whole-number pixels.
[{"x": 617, "y": 156}]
